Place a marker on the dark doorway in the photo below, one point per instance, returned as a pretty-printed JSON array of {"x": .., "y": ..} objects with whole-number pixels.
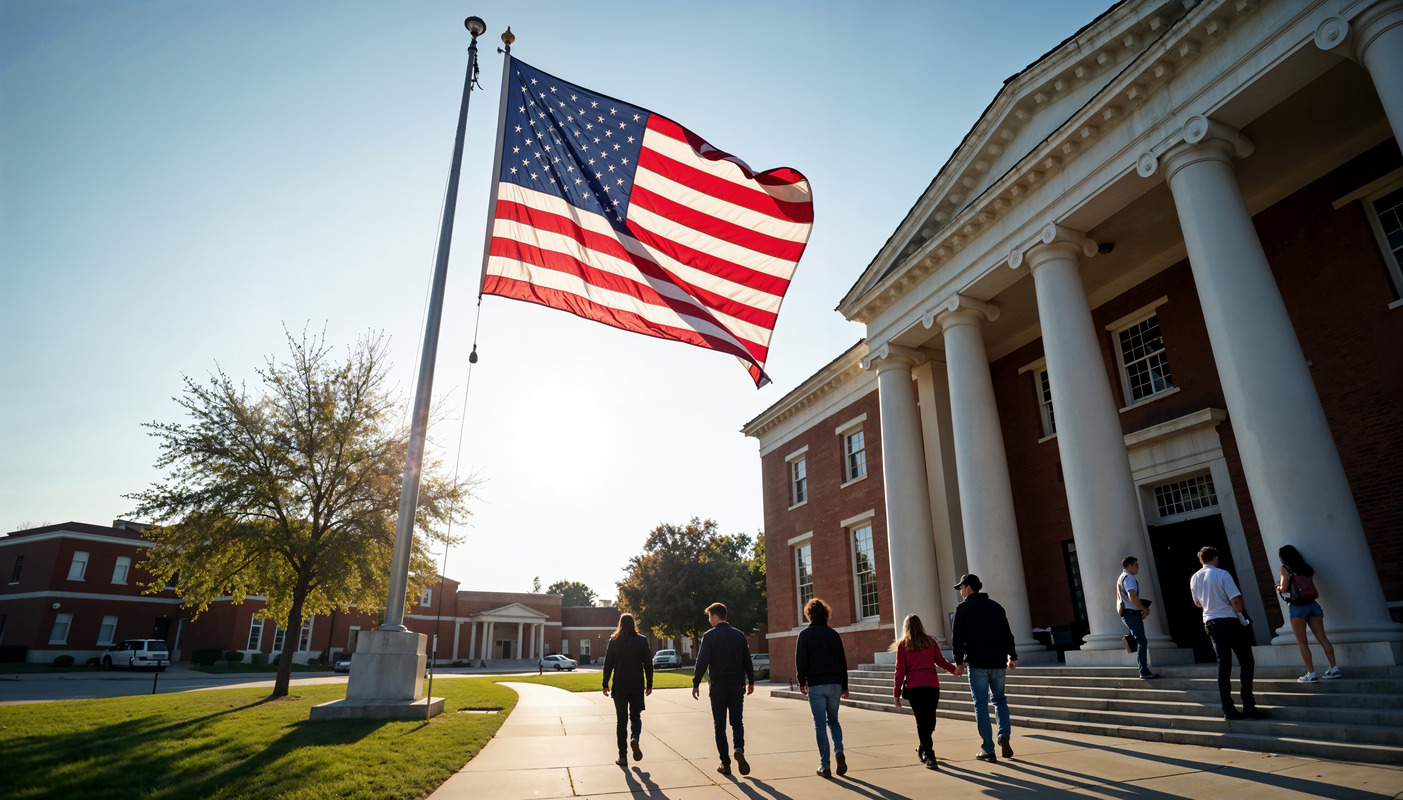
[
  {"x": 161, "y": 629},
  {"x": 1176, "y": 549},
  {"x": 506, "y": 648}
]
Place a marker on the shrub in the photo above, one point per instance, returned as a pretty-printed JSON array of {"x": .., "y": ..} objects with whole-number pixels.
[
  {"x": 233, "y": 656},
  {"x": 762, "y": 674},
  {"x": 206, "y": 656},
  {"x": 63, "y": 661},
  {"x": 277, "y": 658},
  {"x": 259, "y": 659}
]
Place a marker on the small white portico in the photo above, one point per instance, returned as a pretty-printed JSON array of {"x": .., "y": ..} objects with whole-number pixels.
[{"x": 512, "y": 631}]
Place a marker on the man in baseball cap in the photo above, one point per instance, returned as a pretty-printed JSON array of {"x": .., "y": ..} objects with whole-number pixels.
[{"x": 983, "y": 642}]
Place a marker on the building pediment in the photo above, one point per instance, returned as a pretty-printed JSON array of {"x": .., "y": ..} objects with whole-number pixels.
[{"x": 512, "y": 612}]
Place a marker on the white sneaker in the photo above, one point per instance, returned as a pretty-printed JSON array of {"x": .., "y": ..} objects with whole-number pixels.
[
  {"x": 1332, "y": 673},
  {"x": 1309, "y": 677}
]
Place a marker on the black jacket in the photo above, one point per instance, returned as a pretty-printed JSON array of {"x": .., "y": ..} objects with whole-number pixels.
[
  {"x": 819, "y": 657},
  {"x": 982, "y": 637},
  {"x": 726, "y": 653},
  {"x": 629, "y": 661}
]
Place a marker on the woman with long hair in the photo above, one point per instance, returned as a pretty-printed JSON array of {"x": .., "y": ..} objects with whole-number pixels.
[
  {"x": 1304, "y": 614},
  {"x": 917, "y": 656},
  {"x": 630, "y": 662},
  {"x": 822, "y": 668}
]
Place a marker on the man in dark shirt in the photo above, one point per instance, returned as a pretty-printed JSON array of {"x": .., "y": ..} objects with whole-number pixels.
[
  {"x": 983, "y": 640},
  {"x": 631, "y": 666},
  {"x": 725, "y": 652}
]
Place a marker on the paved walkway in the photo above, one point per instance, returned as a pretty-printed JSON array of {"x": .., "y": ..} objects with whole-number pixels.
[{"x": 558, "y": 745}]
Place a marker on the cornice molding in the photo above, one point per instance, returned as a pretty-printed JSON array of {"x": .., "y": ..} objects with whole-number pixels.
[{"x": 838, "y": 373}]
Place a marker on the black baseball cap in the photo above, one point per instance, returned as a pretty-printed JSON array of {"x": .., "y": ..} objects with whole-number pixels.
[{"x": 971, "y": 580}]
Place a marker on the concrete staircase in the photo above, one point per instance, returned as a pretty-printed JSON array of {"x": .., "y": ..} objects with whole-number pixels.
[{"x": 1355, "y": 718}]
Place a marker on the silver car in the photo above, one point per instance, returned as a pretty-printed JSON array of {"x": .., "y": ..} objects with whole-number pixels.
[
  {"x": 666, "y": 659},
  {"x": 559, "y": 662}
]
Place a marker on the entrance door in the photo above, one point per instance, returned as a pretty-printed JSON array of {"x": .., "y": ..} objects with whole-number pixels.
[
  {"x": 504, "y": 647},
  {"x": 161, "y": 629},
  {"x": 1176, "y": 549}
]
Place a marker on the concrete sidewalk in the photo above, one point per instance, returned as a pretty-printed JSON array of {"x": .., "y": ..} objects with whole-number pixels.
[{"x": 558, "y": 745}]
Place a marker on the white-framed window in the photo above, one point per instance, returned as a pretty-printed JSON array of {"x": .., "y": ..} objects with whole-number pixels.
[
  {"x": 426, "y": 597},
  {"x": 255, "y": 634},
  {"x": 279, "y": 638},
  {"x": 1182, "y": 498},
  {"x": 59, "y": 635},
  {"x": 865, "y": 571},
  {"x": 107, "y": 633},
  {"x": 804, "y": 573},
  {"x": 122, "y": 568},
  {"x": 1045, "y": 403},
  {"x": 304, "y": 639},
  {"x": 79, "y": 567},
  {"x": 1144, "y": 367},
  {"x": 584, "y": 648},
  {"x": 565, "y": 645},
  {"x": 799, "y": 481},
  {"x": 18, "y": 570},
  {"x": 1385, "y": 211},
  {"x": 855, "y": 455}
]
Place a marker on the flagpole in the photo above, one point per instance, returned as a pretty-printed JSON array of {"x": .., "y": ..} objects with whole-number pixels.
[
  {"x": 414, "y": 459},
  {"x": 507, "y": 39}
]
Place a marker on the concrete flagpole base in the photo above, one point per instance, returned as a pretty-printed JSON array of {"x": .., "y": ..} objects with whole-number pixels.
[{"x": 387, "y": 680}]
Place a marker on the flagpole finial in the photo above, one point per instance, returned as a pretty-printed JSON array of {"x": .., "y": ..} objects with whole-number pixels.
[
  {"x": 508, "y": 38},
  {"x": 475, "y": 26}
]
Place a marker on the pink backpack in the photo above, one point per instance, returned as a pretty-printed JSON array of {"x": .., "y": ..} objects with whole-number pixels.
[{"x": 1301, "y": 589}]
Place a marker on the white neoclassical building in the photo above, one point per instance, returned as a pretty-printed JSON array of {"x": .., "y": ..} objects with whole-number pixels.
[{"x": 1152, "y": 302}]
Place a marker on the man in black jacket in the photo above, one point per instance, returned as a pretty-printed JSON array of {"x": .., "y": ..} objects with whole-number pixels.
[
  {"x": 983, "y": 640},
  {"x": 725, "y": 652},
  {"x": 629, "y": 661},
  {"x": 822, "y": 667}
]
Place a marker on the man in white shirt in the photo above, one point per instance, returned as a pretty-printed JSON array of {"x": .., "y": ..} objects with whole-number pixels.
[
  {"x": 1133, "y": 610},
  {"x": 1217, "y": 594}
]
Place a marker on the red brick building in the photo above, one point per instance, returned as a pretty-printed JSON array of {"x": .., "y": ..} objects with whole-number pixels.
[{"x": 1153, "y": 302}]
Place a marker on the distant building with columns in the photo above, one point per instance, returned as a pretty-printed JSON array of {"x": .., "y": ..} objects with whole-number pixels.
[{"x": 1152, "y": 302}]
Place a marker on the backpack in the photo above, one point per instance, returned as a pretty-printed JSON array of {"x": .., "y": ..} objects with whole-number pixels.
[{"x": 1301, "y": 589}]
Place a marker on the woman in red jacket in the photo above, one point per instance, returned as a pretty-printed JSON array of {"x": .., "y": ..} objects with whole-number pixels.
[{"x": 917, "y": 656}]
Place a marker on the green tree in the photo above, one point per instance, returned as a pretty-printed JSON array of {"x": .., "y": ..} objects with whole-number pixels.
[
  {"x": 293, "y": 493},
  {"x": 572, "y": 593},
  {"x": 684, "y": 569}
]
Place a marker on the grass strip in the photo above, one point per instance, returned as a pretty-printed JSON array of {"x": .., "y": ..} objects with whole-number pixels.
[{"x": 594, "y": 681}]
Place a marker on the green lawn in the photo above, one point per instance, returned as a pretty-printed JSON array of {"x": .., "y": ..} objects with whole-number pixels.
[
  {"x": 594, "y": 681},
  {"x": 236, "y": 743},
  {"x": 236, "y": 667}
]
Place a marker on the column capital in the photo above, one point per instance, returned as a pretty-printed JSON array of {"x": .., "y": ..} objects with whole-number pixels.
[
  {"x": 960, "y": 310},
  {"x": 1200, "y": 135},
  {"x": 1052, "y": 239},
  {"x": 888, "y": 356},
  {"x": 1352, "y": 38}
]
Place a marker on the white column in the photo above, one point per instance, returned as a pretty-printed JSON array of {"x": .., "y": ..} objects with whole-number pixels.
[
  {"x": 457, "y": 634},
  {"x": 1375, "y": 37},
  {"x": 487, "y": 640},
  {"x": 986, "y": 496},
  {"x": 933, "y": 398},
  {"x": 472, "y": 640},
  {"x": 540, "y": 640},
  {"x": 1294, "y": 475},
  {"x": 910, "y": 544},
  {"x": 1101, "y": 502},
  {"x": 520, "y": 629}
]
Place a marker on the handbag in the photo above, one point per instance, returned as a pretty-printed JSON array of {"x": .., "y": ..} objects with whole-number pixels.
[
  {"x": 1300, "y": 589},
  {"x": 905, "y": 691},
  {"x": 1130, "y": 644}
]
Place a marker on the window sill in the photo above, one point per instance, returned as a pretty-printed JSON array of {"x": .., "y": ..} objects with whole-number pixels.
[
  {"x": 798, "y": 504},
  {"x": 1147, "y": 400},
  {"x": 1395, "y": 305},
  {"x": 1051, "y": 436},
  {"x": 858, "y": 479}
]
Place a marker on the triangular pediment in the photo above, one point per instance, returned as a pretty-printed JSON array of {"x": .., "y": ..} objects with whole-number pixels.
[{"x": 512, "y": 612}]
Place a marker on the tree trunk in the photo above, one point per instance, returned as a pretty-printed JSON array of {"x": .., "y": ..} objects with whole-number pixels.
[{"x": 290, "y": 640}]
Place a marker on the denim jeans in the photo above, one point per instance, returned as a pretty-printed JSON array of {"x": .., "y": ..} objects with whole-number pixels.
[
  {"x": 628, "y": 708},
  {"x": 1136, "y": 625},
  {"x": 983, "y": 683},
  {"x": 823, "y": 702},
  {"x": 1229, "y": 636},
  {"x": 728, "y": 700}
]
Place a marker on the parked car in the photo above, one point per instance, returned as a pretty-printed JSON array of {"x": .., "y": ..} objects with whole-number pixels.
[
  {"x": 760, "y": 660},
  {"x": 666, "y": 659},
  {"x": 559, "y": 662},
  {"x": 342, "y": 663},
  {"x": 133, "y": 653}
]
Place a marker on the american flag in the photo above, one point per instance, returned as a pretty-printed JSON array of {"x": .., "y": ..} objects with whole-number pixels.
[{"x": 622, "y": 216}]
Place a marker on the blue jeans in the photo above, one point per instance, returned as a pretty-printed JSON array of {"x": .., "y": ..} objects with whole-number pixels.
[
  {"x": 982, "y": 683},
  {"x": 1136, "y": 625},
  {"x": 728, "y": 700},
  {"x": 823, "y": 702}
]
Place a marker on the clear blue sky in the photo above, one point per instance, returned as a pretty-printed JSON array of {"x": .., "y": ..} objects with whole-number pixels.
[{"x": 178, "y": 180}]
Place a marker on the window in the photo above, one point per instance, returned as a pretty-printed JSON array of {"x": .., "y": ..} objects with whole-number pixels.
[
  {"x": 1143, "y": 365},
  {"x": 255, "y": 634},
  {"x": 855, "y": 448},
  {"x": 865, "y": 571},
  {"x": 19, "y": 567},
  {"x": 79, "y": 567},
  {"x": 426, "y": 598},
  {"x": 304, "y": 640},
  {"x": 565, "y": 645},
  {"x": 1182, "y": 497},
  {"x": 584, "y": 648},
  {"x": 279, "y": 636},
  {"x": 108, "y": 632},
  {"x": 59, "y": 635},
  {"x": 799, "y": 480},
  {"x": 804, "y": 570},
  {"x": 1045, "y": 403},
  {"x": 1388, "y": 225},
  {"x": 119, "y": 572},
  {"x": 1069, "y": 559}
]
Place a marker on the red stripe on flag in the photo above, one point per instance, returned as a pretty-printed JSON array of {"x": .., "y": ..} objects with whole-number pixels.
[
  {"x": 700, "y": 220},
  {"x": 707, "y": 183},
  {"x": 780, "y": 176}
]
